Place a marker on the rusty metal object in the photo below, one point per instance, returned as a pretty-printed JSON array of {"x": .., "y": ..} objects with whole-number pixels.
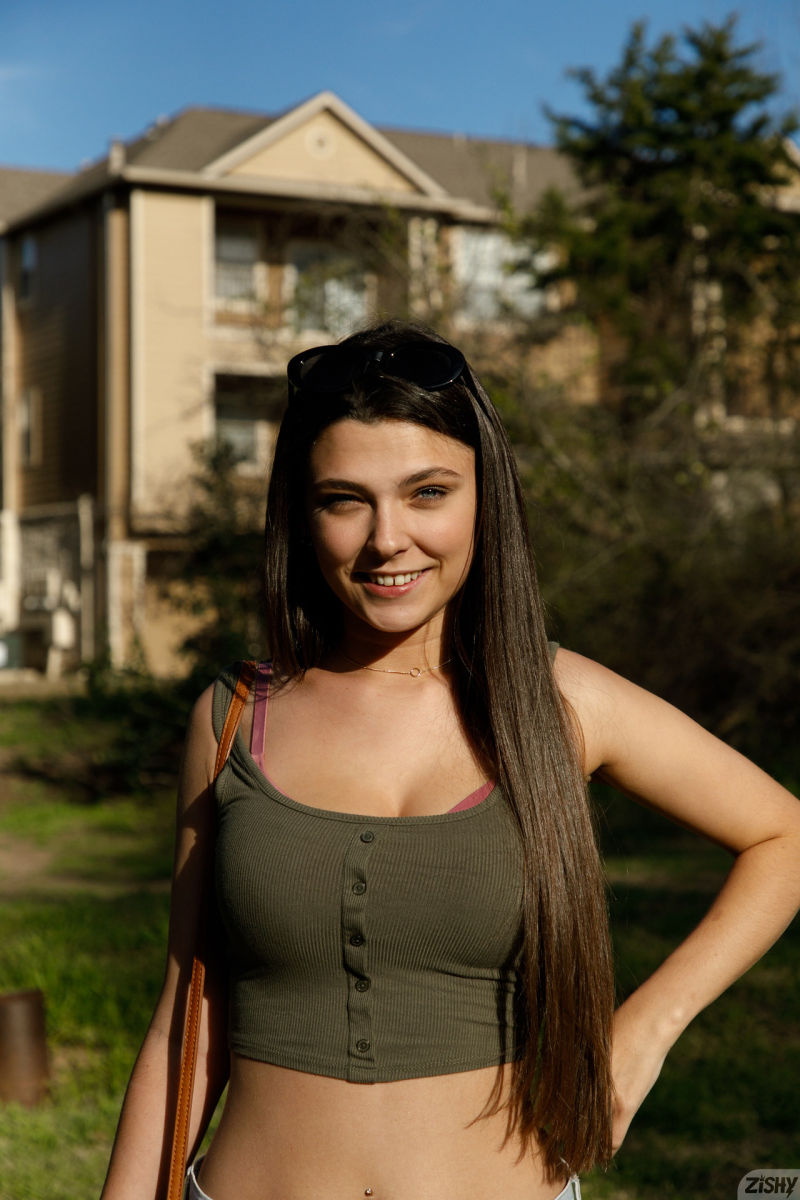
[{"x": 24, "y": 1061}]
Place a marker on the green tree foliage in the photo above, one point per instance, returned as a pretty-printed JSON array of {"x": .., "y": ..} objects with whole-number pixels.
[
  {"x": 680, "y": 244},
  {"x": 666, "y": 536},
  {"x": 679, "y": 575},
  {"x": 215, "y": 577}
]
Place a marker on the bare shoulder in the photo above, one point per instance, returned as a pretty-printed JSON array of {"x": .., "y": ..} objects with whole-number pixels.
[
  {"x": 200, "y": 747},
  {"x": 592, "y": 692},
  {"x": 193, "y": 848},
  {"x": 660, "y": 756},
  {"x": 614, "y": 713},
  {"x": 581, "y": 679},
  {"x": 195, "y": 825},
  {"x": 200, "y": 719}
]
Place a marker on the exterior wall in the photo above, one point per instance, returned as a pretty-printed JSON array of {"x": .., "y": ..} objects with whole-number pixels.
[
  {"x": 165, "y": 629},
  {"x": 113, "y": 479},
  {"x": 424, "y": 267},
  {"x": 755, "y": 392},
  {"x": 247, "y": 348},
  {"x": 493, "y": 330},
  {"x": 57, "y": 359},
  {"x": 324, "y": 151},
  {"x": 126, "y": 565},
  {"x": 9, "y": 344},
  {"x": 170, "y": 409},
  {"x": 10, "y": 570}
]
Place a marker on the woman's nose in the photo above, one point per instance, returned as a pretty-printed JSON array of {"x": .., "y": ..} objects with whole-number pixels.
[{"x": 387, "y": 536}]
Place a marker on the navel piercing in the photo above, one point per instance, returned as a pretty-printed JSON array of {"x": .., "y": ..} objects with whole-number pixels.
[{"x": 368, "y": 1192}]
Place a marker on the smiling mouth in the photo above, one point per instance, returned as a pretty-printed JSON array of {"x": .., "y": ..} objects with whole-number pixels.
[{"x": 392, "y": 580}]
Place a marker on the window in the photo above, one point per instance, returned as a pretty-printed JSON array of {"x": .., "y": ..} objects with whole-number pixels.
[
  {"x": 28, "y": 263},
  {"x": 247, "y": 410},
  {"x": 327, "y": 289},
  {"x": 236, "y": 257},
  {"x": 29, "y": 427},
  {"x": 488, "y": 286}
]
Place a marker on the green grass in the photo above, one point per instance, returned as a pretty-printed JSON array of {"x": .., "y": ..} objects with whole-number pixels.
[
  {"x": 128, "y": 840},
  {"x": 89, "y": 930},
  {"x": 89, "y": 925},
  {"x": 727, "y": 1098}
]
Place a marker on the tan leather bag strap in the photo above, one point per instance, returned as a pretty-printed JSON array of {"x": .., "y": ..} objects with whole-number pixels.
[{"x": 191, "y": 1033}]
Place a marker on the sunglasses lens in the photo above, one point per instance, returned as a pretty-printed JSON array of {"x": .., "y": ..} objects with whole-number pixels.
[
  {"x": 330, "y": 369},
  {"x": 423, "y": 364}
]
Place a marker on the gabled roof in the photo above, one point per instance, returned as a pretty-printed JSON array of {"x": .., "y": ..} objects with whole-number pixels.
[
  {"x": 478, "y": 167},
  {"x": 194, "y": 138},
  {"x": 22, "y": 189},
  {"x": 210, "y": 147},
  {"x": 328, "y": 101}
]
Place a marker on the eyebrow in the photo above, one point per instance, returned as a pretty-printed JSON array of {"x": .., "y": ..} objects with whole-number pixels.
[{"x": 409, "y": 481}]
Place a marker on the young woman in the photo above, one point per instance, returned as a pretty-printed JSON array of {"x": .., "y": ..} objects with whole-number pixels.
[{"x": 414, "y": 998}]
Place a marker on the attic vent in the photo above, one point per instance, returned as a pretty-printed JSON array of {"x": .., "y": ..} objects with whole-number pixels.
[{"x": 320, "y": 143}]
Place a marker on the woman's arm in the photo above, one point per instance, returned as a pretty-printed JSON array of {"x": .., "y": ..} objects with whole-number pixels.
[
  {"x": 139, "y": 1164},
  {"x": 658, "y": 755}
]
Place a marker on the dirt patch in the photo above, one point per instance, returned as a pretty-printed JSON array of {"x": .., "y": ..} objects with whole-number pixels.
[
  {"x": 31, "y": 685},
  {"x": 23, "y": 866},
  {"x": 28, "y": 869}
]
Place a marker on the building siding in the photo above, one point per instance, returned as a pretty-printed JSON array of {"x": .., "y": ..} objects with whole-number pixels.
[
  {"x": 323, "y": 151},
  {"x": 170, "y": 406},
  {"x": 57, "y": 358}
]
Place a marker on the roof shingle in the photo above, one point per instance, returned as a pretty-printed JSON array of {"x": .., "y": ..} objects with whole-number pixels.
[{"x": 21, "y": 189}]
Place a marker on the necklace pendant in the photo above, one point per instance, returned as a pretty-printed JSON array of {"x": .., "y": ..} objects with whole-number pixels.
[{"x": 415, "y": 672}]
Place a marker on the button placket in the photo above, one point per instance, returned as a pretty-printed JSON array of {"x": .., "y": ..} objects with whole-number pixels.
[{"x": 355, "y": 951}]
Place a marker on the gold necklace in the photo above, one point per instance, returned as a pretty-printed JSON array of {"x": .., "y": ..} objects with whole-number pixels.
[{"x": 415, "y": 672}]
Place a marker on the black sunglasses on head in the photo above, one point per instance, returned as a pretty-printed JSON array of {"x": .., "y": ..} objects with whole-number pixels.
[{"x": 325, "y": 370}]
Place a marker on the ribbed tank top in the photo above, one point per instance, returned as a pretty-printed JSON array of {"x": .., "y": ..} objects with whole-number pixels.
[{"x": 361, "y": 947}]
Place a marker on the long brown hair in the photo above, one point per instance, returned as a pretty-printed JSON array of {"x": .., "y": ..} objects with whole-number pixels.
[{"x": 517, "y": 720}]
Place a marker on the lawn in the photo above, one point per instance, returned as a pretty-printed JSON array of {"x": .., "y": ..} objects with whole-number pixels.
[{"x": 84, "y": 859}]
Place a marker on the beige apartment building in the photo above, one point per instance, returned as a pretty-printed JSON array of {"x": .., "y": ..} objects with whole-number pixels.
[{"x": 150, "y": 302}]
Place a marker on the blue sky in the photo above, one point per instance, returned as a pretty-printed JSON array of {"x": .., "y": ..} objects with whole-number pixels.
[{"x": 75, "y": 73}]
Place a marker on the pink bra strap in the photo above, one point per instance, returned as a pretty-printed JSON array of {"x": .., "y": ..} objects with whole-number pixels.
[
  {"x": 260, "y": 713},
  {"x": 473, "y": 798}
]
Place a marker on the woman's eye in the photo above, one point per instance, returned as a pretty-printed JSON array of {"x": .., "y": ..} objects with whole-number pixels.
[
  {"x": 338, "y": 500},
  {"x": 431, "y": 493}
]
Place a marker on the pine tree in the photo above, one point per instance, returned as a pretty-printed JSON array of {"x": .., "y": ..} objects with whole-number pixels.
[
  {"x": 680, "y": 246},
  {"x": 667, "y": 543}
]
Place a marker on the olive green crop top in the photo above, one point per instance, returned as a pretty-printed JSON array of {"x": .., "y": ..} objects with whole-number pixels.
[{"x": 366, "y": 948}]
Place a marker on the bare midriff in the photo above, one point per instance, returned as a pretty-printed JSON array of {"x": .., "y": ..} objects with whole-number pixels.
[{"x": 288, "y": 1135}]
